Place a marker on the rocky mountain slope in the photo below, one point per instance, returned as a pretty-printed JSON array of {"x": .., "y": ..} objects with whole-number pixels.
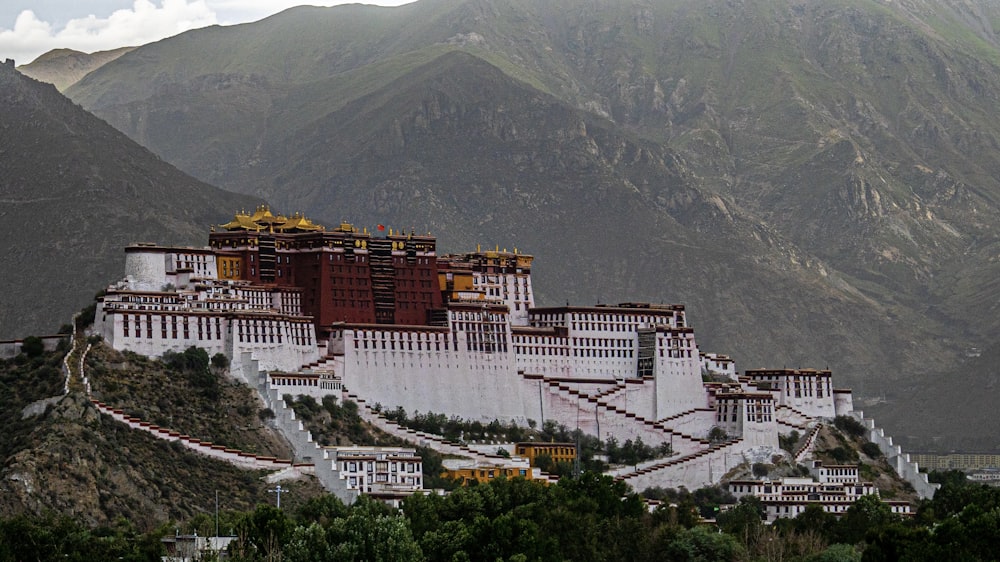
[
  {"x": 74, "y": 192},
  {"x": 64, "y": 67},
  {"x": 67, "y": 458},
  {"x": 816, "y": 180}
]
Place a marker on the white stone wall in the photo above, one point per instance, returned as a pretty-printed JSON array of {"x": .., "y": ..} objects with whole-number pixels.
[
  {"x": 843, "y": 403},
  {"x": 146, "y": 270},
  {"x": 905, "y": 468},
  {"x": 809, "y": 393},
  {"x": 719, "y": 365},
  {"x": 693, "y": 473},
  {"x": 678, "y": 375},
  {"x": 295, "y": 347},
  {"x": 111, "y": 326}
]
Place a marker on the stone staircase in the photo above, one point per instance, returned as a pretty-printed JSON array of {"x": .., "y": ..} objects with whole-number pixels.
[
  {"x": 681, "y": 442},
  {"x": 808, "y": 444},
  {"x": 792, "y": 417},
  {"x": 661, "y": 468},
  {"x": 430, "y": 440},
  {"x": 302, "y": 441}
]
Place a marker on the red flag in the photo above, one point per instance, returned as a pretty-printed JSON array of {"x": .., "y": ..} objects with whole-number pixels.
[{"x": 381, "y": 227}]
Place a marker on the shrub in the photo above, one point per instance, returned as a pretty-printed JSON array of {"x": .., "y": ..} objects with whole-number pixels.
[
  {"x": 788, "y": 442},
  {"x": 717, "y": 434},
  {"x": 32, "y": 346},
  {"x": 760, "y": 469},
  {"x": 220, "y": 361},
  {"x": 871, "y": 449},
  {"x": 850, "y": 426},
  {"x": 842, "y": 454}
]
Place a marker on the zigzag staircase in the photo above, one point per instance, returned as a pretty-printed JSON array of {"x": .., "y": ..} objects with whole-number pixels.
[
  {"x": 680, "y": 439},
  {"x": 659, "y": 465}
]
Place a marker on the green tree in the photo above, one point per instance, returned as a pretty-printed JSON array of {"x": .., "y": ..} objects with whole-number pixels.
[
  {"x": 372, "y": 532},
  {"x": 308, "y": 543},
  {"x": 745, "y": 521},
  {"x": 32, "y": 346},
  {"x": 867, "y": 514},
  {"x": 321, "y": 509},
  {"x": 263, "y": 532},
  {"x": 837, "y": 553},
  {"x": 701, "y": 544},
  {"x": 220, "y": 362}
]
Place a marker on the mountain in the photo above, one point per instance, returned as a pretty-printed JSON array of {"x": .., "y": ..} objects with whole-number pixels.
[
  {"x": 65, "y": 67},
  {"x": 816, "y": 180},
  {"x": 73, "y": 192}
]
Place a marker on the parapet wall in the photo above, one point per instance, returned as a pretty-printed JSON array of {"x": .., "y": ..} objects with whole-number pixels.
[
  {"x": 907, "y": 469},
  {"x": 296, "y": 434},
  {"x": 699, "y": 470},
  {"x": 12, "y": 348}
]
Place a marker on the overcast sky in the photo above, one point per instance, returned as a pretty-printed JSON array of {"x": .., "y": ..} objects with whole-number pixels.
[{"x": 29, "y": 28}]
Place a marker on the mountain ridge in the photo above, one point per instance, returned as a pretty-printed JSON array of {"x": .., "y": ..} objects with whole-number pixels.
[
  {"x": 832, "y": 162},
  {"x": 75, "y": 191}
]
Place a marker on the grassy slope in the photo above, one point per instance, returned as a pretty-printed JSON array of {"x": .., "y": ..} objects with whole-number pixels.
[
  {"x": 153, "y": 392},
  {"x": 72, "y": 460}
]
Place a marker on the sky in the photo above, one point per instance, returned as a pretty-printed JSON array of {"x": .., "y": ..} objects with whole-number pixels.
[{"x": 29, "y": 28}]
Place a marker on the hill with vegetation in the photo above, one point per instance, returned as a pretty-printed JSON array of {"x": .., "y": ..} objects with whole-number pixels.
[
  {"x": 74, "y": 192},
  {"x": 816, "y": 180},
  {"x": 61, "y": 456},
  {"x": 185, "y": 393}
]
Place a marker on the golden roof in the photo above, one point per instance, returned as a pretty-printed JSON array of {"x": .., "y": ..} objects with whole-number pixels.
[
  {"x": 264, "y": 219},
  {"x": 298, "y": 221}
]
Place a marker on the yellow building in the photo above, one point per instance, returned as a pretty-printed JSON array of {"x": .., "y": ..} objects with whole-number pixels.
[
  {"x": 484, "y": 474},
  {"x": 558, "y": 452}
]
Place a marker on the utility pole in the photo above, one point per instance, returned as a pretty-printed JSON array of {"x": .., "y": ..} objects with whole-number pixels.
[{"x": 277, "y": 490}]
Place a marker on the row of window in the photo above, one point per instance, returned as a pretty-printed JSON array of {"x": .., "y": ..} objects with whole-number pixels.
[{"x": 169, "y": 330}]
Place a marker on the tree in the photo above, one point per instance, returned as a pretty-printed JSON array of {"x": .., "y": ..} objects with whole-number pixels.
[
  {"x": 868, "y": 513},
  {"x": 220, "y": 362},
  {"x": 850, "y": 426},
  {"x": 264, "y": 531},
  {"x": 702, "y": 544},
  {"x": 745, "y": 521},
  {"x": 871, "y": 449},
  {"x": 32, "y": 346},
  {"x": 371, "y": 531},
  {"x": 837, "y": 553}
]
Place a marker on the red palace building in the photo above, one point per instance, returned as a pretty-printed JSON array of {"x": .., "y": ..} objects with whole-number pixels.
[{"x": 345, "y": 275}]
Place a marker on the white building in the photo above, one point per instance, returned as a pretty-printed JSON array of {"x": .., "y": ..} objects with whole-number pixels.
[
  {"x": 788, "y": 497},
  {"x": 632, "y": 370},
  {"x": 378, "y": 470}
]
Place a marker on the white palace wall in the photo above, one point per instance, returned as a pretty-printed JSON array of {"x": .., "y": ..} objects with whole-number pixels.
[
  {"x": 426, "y": 373},
  {"x": 677, "y": 373}
]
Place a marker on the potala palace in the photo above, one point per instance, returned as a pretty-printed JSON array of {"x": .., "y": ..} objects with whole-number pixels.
[{"x": 381, "y": 317}]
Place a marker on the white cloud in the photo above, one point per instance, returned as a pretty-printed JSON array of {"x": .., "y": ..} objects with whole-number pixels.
[{"x": 144, "y": 23}]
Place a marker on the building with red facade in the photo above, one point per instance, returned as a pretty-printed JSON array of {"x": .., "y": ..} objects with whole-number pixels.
[{"x": 346, "y": 275}]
